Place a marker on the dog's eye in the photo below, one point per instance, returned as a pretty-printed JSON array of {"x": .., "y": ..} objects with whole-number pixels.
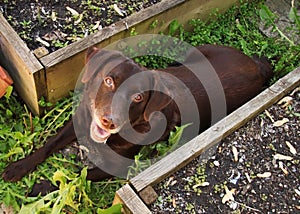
[
  {"x": 137, "y": 98},
  {"x": 109, "y": 82}
]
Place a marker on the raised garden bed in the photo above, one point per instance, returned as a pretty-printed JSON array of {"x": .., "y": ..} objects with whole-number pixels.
[
  {"x": 182, "y": 191},
  {"x": 52, "y": 76},
  {"x": 142, "y": 183},
  {"x": 258, "y": 164}
]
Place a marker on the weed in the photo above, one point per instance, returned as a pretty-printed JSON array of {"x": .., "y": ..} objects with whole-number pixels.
[
  {"x": 20, "y": 134},
  {"x": 239, "y": 27},
  {"x": 195, "y": 181}
]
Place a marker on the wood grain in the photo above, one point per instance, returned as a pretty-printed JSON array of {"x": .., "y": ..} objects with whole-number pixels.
[
  {"x": 22, "y": 65},
  {"x": 131, "y": 202}
]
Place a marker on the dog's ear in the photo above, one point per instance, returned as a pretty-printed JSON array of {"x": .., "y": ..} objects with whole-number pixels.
[
  {"x": 160, "y": 97},
  {"x": 89, "y": 69},
  {"x": 91, "y": 51},
  {"x": 100, "y": 61}
]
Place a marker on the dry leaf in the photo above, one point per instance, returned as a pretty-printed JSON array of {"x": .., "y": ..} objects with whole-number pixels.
[
  {"x": 235, "y": 154},
  {"x": 279, "y": 123},
  {"x": 54, "y": 35},
  {"x": 79, "y": 19},
  {"x": 264, "y": 175},
  {"x": 174, "y": 202},
  {"x": 173, "y": 183},
  {"x": 118, "y": 10},
  {"x": 297, "y": 191},
  {"x": 96, "y": 26},
  {"x": 282, "y": 157},
  {"x": 282, "y": 168},
  {"x": 269, "y": 116},
  {"x": 83, "y": 148},
  {"x": 291, "y": 147},
  {"x": 203, "y": 184},
  {"x": 285, "y": 102},
  {"x": 72, "y": 11},
  {"x": 53, "y": 16},
  {"x": 228, "y": 196},
  {"x": 169, "y": 181},
  {"x": 295, "y": 91},
  {"x": 43, "y": 42},
  {"x": 248, "y": 177}
]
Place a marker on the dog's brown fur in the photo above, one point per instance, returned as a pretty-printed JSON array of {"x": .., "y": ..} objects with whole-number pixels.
[{"x": 242, "y": 78}]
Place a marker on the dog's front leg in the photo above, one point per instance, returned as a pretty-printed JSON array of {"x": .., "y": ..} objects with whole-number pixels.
[{"x": 17, "y": 170}]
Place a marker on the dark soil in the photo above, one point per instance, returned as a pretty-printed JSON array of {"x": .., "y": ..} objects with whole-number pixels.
[
  {"x": 52, "y": 22},
  {"x": 261, "y": 181}
]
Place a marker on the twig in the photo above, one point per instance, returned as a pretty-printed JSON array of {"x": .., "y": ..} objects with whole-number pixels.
[{"x": 247, "y": 207}]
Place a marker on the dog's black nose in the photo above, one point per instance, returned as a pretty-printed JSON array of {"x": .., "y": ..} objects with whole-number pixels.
[{"x": 107, "y": 122}]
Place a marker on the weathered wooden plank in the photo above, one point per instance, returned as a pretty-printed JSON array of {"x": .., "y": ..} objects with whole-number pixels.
[
  {"x": 131, "y": 202},
  {"x": 213, "y": 135},
  {"x": 22, "y": 65}
]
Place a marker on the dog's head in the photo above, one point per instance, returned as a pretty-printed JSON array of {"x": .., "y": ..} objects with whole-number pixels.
[{"x": 116, "y": 87}]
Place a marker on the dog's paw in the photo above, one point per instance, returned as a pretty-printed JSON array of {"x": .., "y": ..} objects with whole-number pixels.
[
  {"x": 16, "y": 171},
  {"x": 43, "y": 187}
]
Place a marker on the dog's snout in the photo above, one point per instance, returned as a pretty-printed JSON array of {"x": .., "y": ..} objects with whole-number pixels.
[{"x": 107, "y": 122}]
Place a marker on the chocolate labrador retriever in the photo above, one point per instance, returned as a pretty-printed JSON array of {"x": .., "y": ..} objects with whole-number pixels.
[{"x": 102, "y": 122}]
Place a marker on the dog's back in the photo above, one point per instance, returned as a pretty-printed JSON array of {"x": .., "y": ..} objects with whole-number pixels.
[{"x": 241, "y": 76}]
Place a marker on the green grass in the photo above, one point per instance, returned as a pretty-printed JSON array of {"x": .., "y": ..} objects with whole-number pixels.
[{"x": 21, "y": 133}]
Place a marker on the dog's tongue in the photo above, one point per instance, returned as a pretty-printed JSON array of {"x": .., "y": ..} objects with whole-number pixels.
[
  {"x": 98, "y": 134},
  {"x": 101, "y": 132}
]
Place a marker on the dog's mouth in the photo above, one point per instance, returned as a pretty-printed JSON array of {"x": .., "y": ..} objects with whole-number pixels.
[{"x": 99, "y": 134}]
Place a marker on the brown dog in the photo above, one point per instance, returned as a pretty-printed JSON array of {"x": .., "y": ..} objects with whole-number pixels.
[{"x": 115, "y": 130}]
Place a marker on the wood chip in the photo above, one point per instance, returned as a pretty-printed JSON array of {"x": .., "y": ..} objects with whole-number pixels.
[
  {"x": 79, "y": 19},
  {"x": 282, "y": 168},
  {"x": 282, "y": 157},
  {"x": 203, "y": 184},
  {"x": 269, "y": 116},
  {"x": 228, "y": 196},
  {"x": 235, "y": 154},
  {"x": 40, "y": 52},
  {"x": 279, "y": 123},
  {"x": 96, "y": 26},
  {"x": 248, "y": 177},
  {"x": 295, "y": 91},
  {"x": 169, "y": 181},
  {"x": 285, "y": 102},
  {"x": 264, "y": 175},
  {"x": 174, "y": 202},
  {"x": 118, "y": 10},
  {"x": 83, "y": 148},
  {"x": 173, "y": 183},
  {"x": 291, "y": 147},
  {"x": 53, "y": 16},
  {"x": 72, "y": 11},
  {"x": 43, "y": 42}
]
